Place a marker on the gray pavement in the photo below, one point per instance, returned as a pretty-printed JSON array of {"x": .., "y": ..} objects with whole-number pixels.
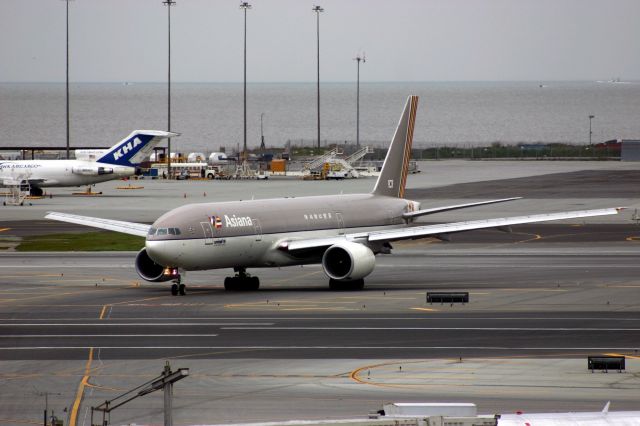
[
  {"x": 157, "y": 197},
  {"x": 84, "y": 328},
  {"x": 296, "y": 350}
]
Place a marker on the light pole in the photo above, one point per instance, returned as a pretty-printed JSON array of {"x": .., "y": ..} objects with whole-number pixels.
[
  {"x": 358, "y": 58},
  {"x": 318, "y": 9},
  {"x": 591, "y": 117},
  {"x": 244, "y": 6},
  {"x": 262, "y": 146},
  {"x": 169, "y": 3},
  {"x": 67, "y": 77}
]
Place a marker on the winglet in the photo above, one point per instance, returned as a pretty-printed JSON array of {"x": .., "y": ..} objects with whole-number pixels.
[
  {"x": 393, "y": 177},
  {"x": 605, "y": 410},
  {"x": 135, "y": 148}
]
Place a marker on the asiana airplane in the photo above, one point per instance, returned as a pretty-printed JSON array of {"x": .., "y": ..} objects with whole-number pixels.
[
  {"x": 343, "y": 233},
  {"x": 114, "y": 163}
]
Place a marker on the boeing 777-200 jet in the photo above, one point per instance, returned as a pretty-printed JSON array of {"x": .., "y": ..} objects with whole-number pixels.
[
  {"x": 116, "y": 162},
  {"x": 343, "y": 233}
]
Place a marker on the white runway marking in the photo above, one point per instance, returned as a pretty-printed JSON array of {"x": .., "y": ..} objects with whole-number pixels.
[
  {"x": 104, "y": 335},
  {"x": 436, "y": 328},
  {"x": 506, "y": 348},
  {"x": 121, "y": 324}
]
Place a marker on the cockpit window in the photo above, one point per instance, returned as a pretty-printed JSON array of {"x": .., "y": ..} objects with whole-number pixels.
[
  {"x": 172, "y": 231},
  {"x": 176, "y": 231},
  {"x": 152, "y": 231},
  {"x": 162, "y": 231}
]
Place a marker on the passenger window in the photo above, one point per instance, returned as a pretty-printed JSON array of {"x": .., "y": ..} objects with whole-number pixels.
[
  {"x": 152, "y": 231},
  {"x": 162, "y": 231}
]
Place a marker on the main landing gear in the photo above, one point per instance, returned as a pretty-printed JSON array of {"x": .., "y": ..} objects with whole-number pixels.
[
  {"x": 346, "y": 285},
  {"x": 34, "y": 191},
  {"x": 241, "y": 281},
  {"x": 178, "y": 287}
]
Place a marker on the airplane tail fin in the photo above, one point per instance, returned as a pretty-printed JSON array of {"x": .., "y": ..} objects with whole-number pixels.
[
  {"x": 133, "y": 149},
  {"x": 393, "y": 176}
]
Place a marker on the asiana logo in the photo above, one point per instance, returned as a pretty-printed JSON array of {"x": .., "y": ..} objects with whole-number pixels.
[{"x": 237, "y": 221}]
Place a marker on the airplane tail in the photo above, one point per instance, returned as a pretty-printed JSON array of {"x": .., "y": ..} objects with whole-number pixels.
[
  {"x": 393, "y": 176},
  {"x": 133, "y": 149}
]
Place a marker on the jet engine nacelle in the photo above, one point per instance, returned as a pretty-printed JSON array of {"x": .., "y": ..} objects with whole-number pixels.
[
  {"x": 348, "y": 261},
  {"x": 92, "y": 170},
  {"x": 150, "y": 270}
]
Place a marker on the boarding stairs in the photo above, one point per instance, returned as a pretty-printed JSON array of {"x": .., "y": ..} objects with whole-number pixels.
[
  {"x": 18, "y": 190},
  {"x": 317, "y": 162},
  {"x": 359, "y": 155}
]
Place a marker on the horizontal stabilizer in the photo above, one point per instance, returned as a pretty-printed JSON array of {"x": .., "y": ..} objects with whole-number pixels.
[
  {"x": 131, "y": 228},
  {"x": 410, "y": 215}
]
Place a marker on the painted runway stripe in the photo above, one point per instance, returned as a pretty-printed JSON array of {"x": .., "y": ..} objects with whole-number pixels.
[
  {"x": 102, "y": 335},
  {"x": 115, "y": 321},
  {"x": 506, "y": 348},
  {"x": 434, "y": 328},
  {"x": 120, "y": 324}
]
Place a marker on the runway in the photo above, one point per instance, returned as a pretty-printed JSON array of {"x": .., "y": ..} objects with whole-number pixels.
[
  {"x": 82, "y": 328},
  {"x": 294, "y": 316}
]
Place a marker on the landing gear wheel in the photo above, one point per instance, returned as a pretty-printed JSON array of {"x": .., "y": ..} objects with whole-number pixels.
[
  {"x": 174, "y": 289},
  {"x": 241, "y": 282},
  {"x": 35, "y": 191},
  {"x": 182, "y": 289},
  {"x": 354, "y": 285},
  {"x": 357, "y": 284},
  {"x": 254, "y": 283}
]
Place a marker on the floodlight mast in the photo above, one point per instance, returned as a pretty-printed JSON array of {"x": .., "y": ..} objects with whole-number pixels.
[
  {"x": 358, "y": 58},
  {"x": 169, "y": 3},
  {"x": 67, "y": 79},
  {"x": 318, "y": 10},
  {"x": 245, "y": 6}
]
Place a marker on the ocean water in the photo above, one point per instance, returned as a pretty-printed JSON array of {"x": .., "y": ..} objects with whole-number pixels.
[{"x": 210, "y": 115}]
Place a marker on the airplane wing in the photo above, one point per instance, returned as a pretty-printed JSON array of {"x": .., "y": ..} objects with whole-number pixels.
[
  {"x": 417, "y": 213},
  {"x": 423, "y": 231},
  {"x": 131, "y": 228}
]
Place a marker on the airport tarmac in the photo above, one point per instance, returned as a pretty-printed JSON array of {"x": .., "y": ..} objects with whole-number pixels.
[
  {"x": 440, "y": 182},
  {"x": 83, "y": 327},
  {"x": 296, "y": 350}
]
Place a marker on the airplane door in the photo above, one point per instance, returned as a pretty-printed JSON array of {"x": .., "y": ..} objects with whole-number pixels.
[
  {"x": 258, "y": 229},
  {"x": 340, "y": 223},
  {"x": 208, "y": 233}
]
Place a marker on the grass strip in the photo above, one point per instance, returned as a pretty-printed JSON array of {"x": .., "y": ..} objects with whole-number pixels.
[{"x": 86, "y": 241}]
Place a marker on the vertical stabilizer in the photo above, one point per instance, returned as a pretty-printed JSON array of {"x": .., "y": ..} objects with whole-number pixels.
[
  {"x": 393, "y": 176},
  {"x": 135, "y": 148}
]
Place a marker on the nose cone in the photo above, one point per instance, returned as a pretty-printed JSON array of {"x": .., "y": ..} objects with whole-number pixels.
[{"x": 159, "y": 252}]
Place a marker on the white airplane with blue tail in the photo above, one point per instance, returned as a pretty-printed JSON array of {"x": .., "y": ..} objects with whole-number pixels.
[{"x": 117, "y": 162}]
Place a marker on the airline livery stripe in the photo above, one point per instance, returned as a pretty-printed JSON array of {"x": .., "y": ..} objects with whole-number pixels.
[{"x": 408, "y": 144}]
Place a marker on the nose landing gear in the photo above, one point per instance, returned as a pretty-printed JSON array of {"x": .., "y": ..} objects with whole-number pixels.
[
  {"x": 178, "y": 288},
  {"x": 241, "y": 281}
]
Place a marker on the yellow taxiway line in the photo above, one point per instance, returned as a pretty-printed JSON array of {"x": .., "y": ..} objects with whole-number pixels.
[
  {"x": 80, "y": 392},
  {"x": 73, "y": 418}
]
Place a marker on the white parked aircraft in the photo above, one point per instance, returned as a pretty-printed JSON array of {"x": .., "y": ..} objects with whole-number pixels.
[
  {"x": 343, "y": 233},
  {"x": 596, "y": 418},
  {"x": 117, "y": 162}
]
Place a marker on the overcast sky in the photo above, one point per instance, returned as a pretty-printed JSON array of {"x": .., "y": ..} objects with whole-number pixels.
[{"x": 404, "y": 40}]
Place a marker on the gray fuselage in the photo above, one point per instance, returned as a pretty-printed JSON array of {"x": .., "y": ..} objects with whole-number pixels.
[{"x": 252, "y": 233}]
